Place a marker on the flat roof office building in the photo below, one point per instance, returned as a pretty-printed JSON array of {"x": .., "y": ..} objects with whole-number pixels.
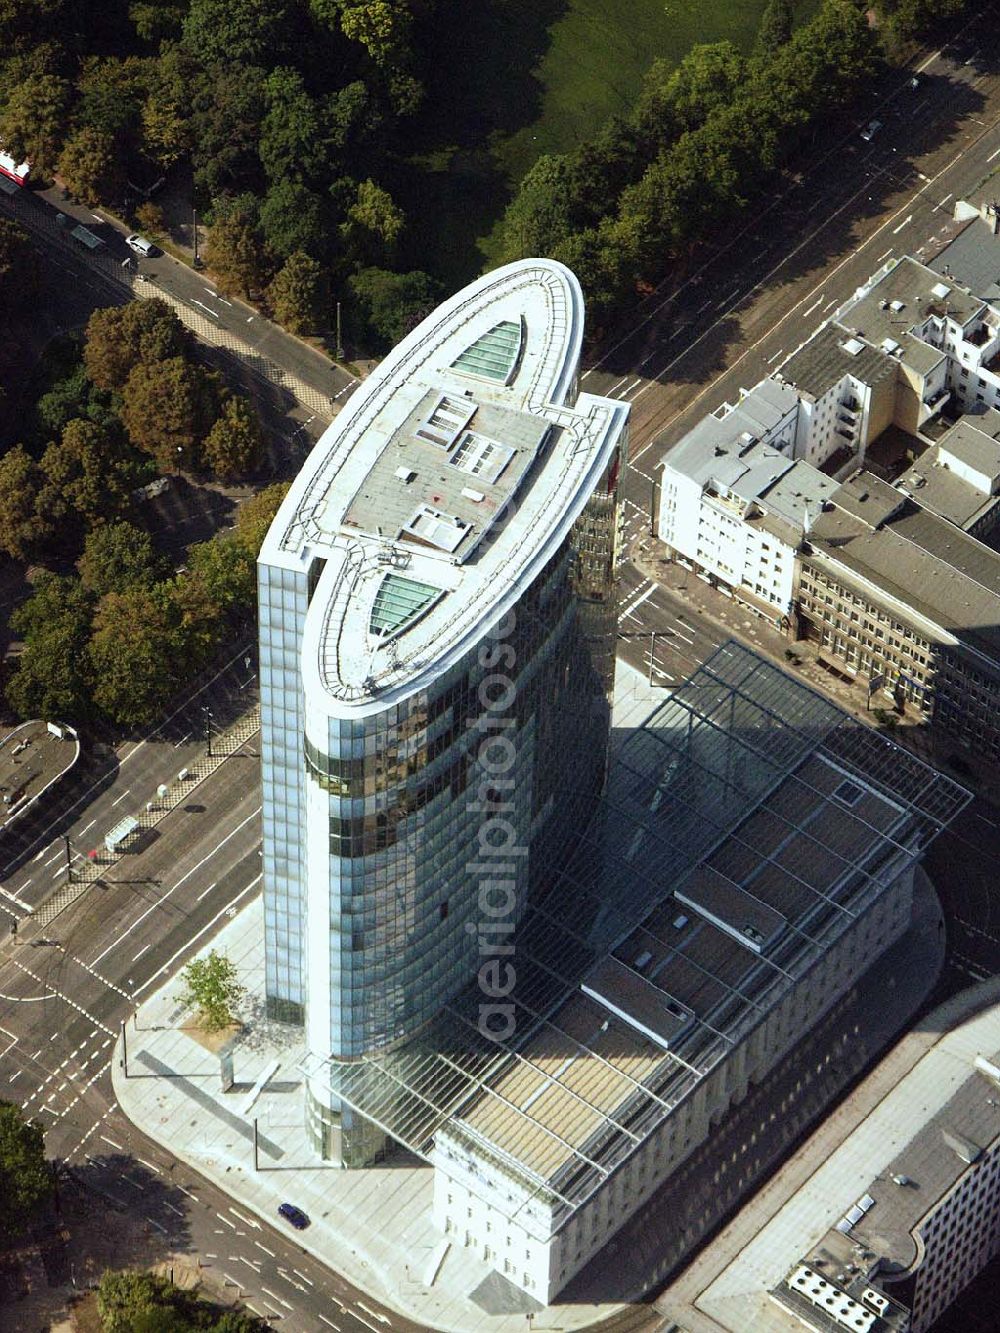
[{"x": 437, "y": 615}]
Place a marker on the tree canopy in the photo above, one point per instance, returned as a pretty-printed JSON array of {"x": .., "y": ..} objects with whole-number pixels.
[
  {"x": 168, "y": 407},
  {"x": 300, "y": 294},
  {"x": 232, "y": 449},
  {"x": 26, "y": 1180},
  {"x": 212, "y": 986}
]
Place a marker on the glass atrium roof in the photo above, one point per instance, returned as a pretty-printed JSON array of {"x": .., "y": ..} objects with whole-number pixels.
[
  {"x": 739, "y": 769},
  {"x": 397, "y": 602},
  {"x": 494, "y": 356}
]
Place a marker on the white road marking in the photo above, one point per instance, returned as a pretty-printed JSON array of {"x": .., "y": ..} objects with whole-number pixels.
[
  {"x": 775, "y": 357},
  {"x": 905, "y": 223},
  {"x": 994, "y": 154},
  {"x": 143, "y": 950},
  {"x": 207, "y": 309},
  {"x": 226, "y": 1220},
  {"x": 265, "y": 1249},
  {"x": 119, "y": 799},
  {"x": 638, "y": 602},
  {"x": 111, "y": 1142},
  {"x": 122, "y": 934},
  {"x": 86, "y": 827},
  {"x": 205, "y": 892},
  {"x": 208, "y": 926}
]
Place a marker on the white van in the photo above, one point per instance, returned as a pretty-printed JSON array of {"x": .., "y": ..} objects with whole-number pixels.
[{"x": 141, "y": 246}]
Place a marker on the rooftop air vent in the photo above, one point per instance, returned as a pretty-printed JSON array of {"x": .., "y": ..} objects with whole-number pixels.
[
  {"x": 405, "y": 474},
  {"x": 940, "y": 290},
  {"x": 852, "y": 346}
]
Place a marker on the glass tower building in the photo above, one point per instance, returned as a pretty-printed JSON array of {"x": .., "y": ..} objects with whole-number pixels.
[{"x": 437, "y": 618}]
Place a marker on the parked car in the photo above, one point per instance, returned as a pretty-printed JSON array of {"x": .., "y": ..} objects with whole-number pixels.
[
  {"x": 870, "y": 130},
  {"x": 294, "y": 1215},
  {"x": 141, "y": 246}
]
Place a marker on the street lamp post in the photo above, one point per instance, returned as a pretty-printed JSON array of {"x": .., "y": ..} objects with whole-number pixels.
[
  {"x": 208, "y": 728},
  {"x": 340, "y": 340}
]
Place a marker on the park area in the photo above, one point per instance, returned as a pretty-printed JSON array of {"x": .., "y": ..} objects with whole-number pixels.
[{"x": 513, "y": 79}]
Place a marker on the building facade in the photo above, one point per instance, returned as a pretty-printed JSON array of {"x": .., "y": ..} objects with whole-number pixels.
[{"x": 437, "y": 601}]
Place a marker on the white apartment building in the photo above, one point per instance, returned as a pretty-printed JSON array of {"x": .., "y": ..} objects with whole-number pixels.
[
  {"x": 742, "y": 488},
  {"x": 735, "y": 496}
]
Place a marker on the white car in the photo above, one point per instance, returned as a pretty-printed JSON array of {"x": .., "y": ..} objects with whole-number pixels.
[
  {"x": 870, "y": 130},
  {"x": 141, "y": 246}
]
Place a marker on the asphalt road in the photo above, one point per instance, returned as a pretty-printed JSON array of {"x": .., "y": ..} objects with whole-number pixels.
[
  {"x": 197, "y": 290},
  {"x": 65, "y": 992}
]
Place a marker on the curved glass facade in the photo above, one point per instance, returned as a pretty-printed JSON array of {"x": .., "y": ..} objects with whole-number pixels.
[{"x": 403, "y": 842}]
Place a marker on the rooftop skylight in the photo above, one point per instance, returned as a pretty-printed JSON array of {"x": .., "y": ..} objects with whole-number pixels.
[
  {"x": 397, "y": 602},
  {"x": 494, "y": 355}
]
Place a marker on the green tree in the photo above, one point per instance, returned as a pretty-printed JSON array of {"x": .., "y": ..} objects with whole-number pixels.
[
  {"x": 707, "y": 78},
  {"x": 227, "y": 571},
  {"x": 69, "y": 397},
  {"x": 168, "y": 407},
  {"x": 392, "y": 304},
  {"x": 117, "y": 556},
  {"x": 256, "y": 515},
  {"x": 351, "y": 119},
  {"x": 291, "y": 218},
  {"x": 26, "y": 1179},
  {"x": 290, "y": 141},
  {"x": 118, "y": 338},
  {"x": 19, "y": 272},
  {"x": 123, "y": 1295},
  {"x": 155, "y": 21},
  {"x": 90, "y": 166},
  {"x": 232, "y": 449},
  {"x": 300, "y": 294},
  {"x": 226, "y": 114},
  {"x": 87, "y": 475},
  {"x": 211, "y": 985},
  {"x": 22, "y": 532},
  {"x": 237, "y": 32},
  {"x": 381, "y": 27},
  {"x": 110, "y": 91},
  {"x": 539, "y": 217},
  {"x": 236, "y": 251},
  {"x": 909, "y": 19},
  {"x": 374, "y": 224},
  {"x": 50, "y": 678},
  {"x": 33, "y": 123},
  {"x": 775, "y": 28},
  {"x": 146, "y": 642}
]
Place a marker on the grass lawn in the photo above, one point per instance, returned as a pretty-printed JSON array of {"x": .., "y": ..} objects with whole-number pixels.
[{"x": 511, "y": 79}]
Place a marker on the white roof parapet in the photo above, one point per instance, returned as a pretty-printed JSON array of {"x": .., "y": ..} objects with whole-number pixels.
[{"x": 464, "y": 459}]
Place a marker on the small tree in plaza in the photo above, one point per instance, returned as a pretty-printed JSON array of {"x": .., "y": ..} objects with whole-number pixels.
[{"x": 211, "y": 986}]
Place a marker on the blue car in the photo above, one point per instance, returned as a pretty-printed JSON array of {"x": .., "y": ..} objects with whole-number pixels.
[{"x": 294, "y": 1215}]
